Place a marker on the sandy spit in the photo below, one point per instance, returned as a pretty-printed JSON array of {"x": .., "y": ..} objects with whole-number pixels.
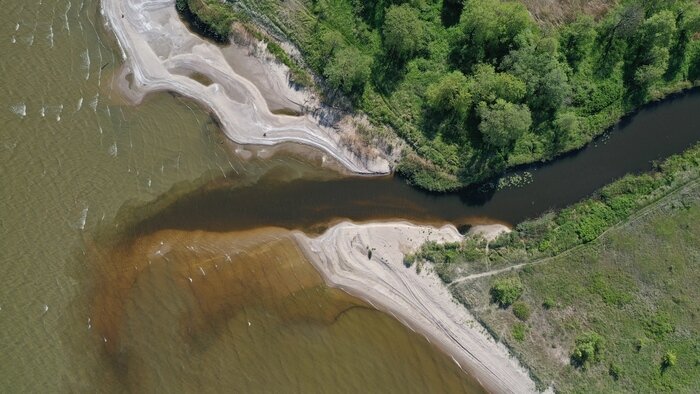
[
  {"x": 420, "y": 301},
  {"x": 159, "y": 52}
]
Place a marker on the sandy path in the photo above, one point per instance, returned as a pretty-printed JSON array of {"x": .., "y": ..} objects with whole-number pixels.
[
  {"x": 420, "y": 301},
  {"x": 158, "y": 49}
]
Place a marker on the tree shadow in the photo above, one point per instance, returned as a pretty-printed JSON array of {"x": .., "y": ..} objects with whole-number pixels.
[
  {"x": 388, "y": 72},
  {"x": 451, "y": 12}
]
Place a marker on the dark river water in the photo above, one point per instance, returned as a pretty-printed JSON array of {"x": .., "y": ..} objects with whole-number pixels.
[{"x": 654, "y": 133}]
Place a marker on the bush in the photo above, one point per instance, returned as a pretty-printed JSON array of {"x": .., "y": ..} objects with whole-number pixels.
[
  {"x": 615, "y": 371},
  {"x": 506, "y": 291},
  {"x": 668, "y": 360},
  {"x": 521, "y": 310},
  {"x": 518, "y": 331},
  {"x": 549, "y": 303},
  {"x": 588, "y": 349},
  {"x": 659, "y": 326}
]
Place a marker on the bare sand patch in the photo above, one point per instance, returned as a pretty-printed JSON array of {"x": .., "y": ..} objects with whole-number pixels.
[{"x": 366, "y": 260}]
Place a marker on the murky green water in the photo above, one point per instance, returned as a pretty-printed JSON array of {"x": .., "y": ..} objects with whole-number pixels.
[{"x": 82, "y": 318}]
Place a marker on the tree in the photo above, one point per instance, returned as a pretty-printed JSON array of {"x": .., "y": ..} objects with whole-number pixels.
[
  {"x": 536, "y": 63},
  {"x": 502, "y": 122},
  {"x": 487, "y": 31},
  {"x": 487, "y": 85},
  {"x": 577, "y": 40},
  {"x": 620, "y": 25},
  {"x": 404, "y": 32},
  {"x": 506, "y": 291},
  {"x": 567, "y": 127},
  {"x": 651, "y": 48},
  {"x": 450, "y": 95},
  {"x": 588, "y": 349},
  {"x": 348, "y": 70}
]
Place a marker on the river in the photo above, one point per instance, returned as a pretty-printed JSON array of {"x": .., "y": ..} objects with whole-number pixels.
[{"x": 92, "y": 185}]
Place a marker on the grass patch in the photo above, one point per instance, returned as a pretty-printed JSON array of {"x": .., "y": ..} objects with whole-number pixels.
[{"x": 627, "y": 318}]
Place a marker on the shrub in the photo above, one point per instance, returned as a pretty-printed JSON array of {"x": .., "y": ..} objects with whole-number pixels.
[
  {"x": 668, "y": 360},
  {"x": 659, "y": 326},
  {"x": 521, "y": 310},
  {"x": 506, "y": 291},
  {"x": 518, "y": 331},
  {"x": 408, "y": 260},
  {"x": 588, "y": 349},
  {"x": 549, "y": 303},
  {"x": 615, "y": 371}
]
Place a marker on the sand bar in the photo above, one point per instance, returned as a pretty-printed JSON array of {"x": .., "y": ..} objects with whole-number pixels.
[
  {"x": 420, "y": 301},
  {"x": 158, "y": 52}
]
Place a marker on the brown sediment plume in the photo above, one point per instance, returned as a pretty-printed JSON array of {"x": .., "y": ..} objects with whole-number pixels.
[{"x": 205, "y": 279}]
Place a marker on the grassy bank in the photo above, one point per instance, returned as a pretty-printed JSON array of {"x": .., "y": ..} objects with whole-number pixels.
[
  {"x": 608, "y": 316},
  {"x": 558, "y": 232},
  {"x": 602, "y": 295},
  {"x": 475, "y": 87}
]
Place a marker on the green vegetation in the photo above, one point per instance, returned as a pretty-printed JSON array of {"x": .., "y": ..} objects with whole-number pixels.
[
  {"x": 212, "y": 18},
  {"x": 521, "y": 310},
  {"x": 477, "y": 86},
  {"x": 616, "y": 277},
  {"x": 654, "y": 261},
  {"x": 669, "y": 360},
  {"x": 587, "y": 350},
  {"x": 506, "y": 291},
  {"x": 518, "y": 331},
  {"x": 573, "y": 227}
]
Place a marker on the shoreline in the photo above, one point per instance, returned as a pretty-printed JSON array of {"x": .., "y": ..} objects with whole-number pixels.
[
  {"x": 158, "y": 51},
  {"x": 161, "y": 54},
  {"x": 420, "y": 301}
]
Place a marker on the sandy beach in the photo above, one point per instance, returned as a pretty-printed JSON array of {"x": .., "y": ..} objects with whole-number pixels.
[
  {"x": 161, "y": 54},
  {"x": 419, "y": 301}
]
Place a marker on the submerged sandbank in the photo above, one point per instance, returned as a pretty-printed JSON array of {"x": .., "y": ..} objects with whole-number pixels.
[
  {"x": 159, "y": 52},
  {"x": 366, "y": 260}
]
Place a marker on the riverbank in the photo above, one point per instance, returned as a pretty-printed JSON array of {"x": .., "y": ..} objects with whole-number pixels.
[
  {"x": 161, "y": 54},
  {"x": 366, "y": 260}
]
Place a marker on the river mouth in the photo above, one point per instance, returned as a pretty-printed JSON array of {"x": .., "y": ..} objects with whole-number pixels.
[{"x": 286, "y": 198}]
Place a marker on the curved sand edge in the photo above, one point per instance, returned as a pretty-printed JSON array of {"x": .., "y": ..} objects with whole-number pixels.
[
  {"x": 159, "y": 51},
  {"x": 420, "y": 301}
]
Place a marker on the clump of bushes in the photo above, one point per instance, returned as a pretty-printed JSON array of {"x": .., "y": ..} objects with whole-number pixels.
[
  {"x": 521, "y": 310},
  {"x": 588, "y": 349},
  {"x": 506, "y": 291}
]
